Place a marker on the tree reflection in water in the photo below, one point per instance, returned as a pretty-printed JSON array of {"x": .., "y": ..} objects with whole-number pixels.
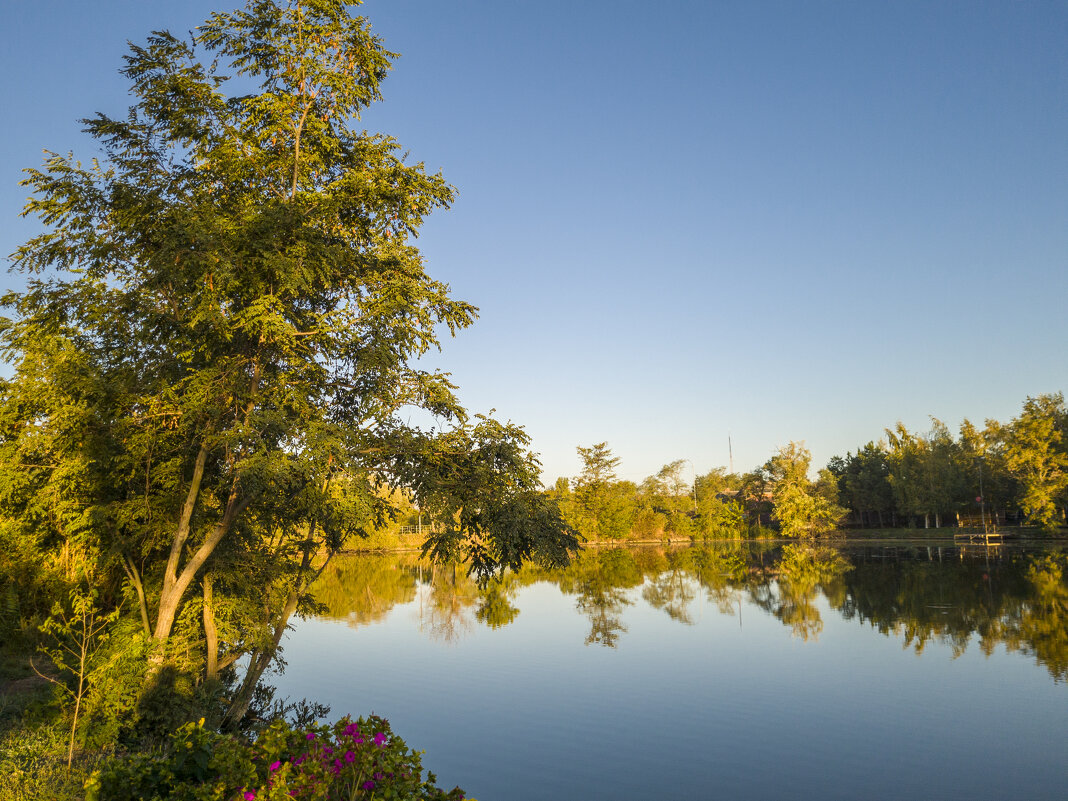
[
  {"x": 446, "y": 598},
  {"x": 362, "y": 589},
  {"x": 495, "y": 607},
  {"x": 920, "y": 594},
  {"x": 600, "y": 579},
  {"x": 673, "y": 589},
  {"x": 802, "y": 571}
]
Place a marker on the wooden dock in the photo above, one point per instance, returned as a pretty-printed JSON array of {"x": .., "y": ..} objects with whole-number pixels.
[{"x": 978, "y": 528}]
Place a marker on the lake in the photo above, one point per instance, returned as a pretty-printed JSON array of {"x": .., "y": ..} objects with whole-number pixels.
[{"x": 737, "y": 670}]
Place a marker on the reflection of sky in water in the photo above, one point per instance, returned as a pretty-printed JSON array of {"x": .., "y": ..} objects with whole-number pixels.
[{"x": 711, "y": 709}]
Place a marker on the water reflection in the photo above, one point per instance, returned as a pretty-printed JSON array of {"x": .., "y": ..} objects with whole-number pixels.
[
  {"x": 801, "y": 573},
  {"x": 495, "y": 607},
  {"x": 1005, "y": 596},
  {"x": 362, "y": 590},
  {"x": 446, "y": 599},
  {"x": 600, "y": 579},
  {"x": 673, "y": 589}
]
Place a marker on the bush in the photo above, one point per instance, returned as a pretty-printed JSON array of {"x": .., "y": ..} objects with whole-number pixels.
[
  {"x": 649, "y": 524},
  {"x": 346, "y": 761}
]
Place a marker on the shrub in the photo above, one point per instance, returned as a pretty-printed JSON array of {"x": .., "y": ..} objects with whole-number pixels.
[{"x": 343, "y": 762}]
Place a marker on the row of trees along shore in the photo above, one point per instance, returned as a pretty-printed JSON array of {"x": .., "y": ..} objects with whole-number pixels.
[{"x": 1009, "y": 473}]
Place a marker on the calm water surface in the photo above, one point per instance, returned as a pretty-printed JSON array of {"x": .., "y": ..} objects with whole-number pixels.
[{"x": 731, "y": 671}]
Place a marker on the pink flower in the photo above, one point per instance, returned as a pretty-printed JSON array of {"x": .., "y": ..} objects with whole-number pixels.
[
  {"x": 368, "y": 785},
  {"x": 274, "y": 766},
  {"x": 250, "y": 795},
  {"x": 310, "y": 735},
  {"x": 349, "y": 756},
  {"x": 380, "y": 739}
]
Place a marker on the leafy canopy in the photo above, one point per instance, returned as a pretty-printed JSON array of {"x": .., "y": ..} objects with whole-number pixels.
[{"x": 216, "y": 349}]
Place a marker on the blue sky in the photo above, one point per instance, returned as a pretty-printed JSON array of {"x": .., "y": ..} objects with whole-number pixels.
[{"x": 688, "y": 220}]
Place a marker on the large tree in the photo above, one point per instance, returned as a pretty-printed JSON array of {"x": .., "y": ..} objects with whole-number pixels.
[
  {"x": 802, "y": 507},
  {"x": 1036, "y": 454},
  {"x": 602, "y": 507},
  {"x": 908, "y": 462},
  {"x": 215, "y": 349},
  {"x": 864, "y": 484}
]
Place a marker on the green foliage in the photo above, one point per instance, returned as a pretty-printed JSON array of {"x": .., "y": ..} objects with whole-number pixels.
[
  {"x": 863, "y": 482},
  {"x": 215, "y": 356},
  {"x": 600, "y": 506},
  {"x": 933, "y": 476},
  {"x": 755, "y": 494},
  {"x": 348, "y": 760},
  {"x": 74, "y": 634},
  {"x": 603, "y": 508},
  {"x": 649, "y": 523},
  {"x": 33, "y": 764},
  {"x": 20, "y": 579},
  {"x": 801, "y": 509},
  {"x": 722, "y": 518},
  {"x": 716, "y": 481},
  {"x": 1036, "y": 453},
  {"x": 482, "y": 483}
]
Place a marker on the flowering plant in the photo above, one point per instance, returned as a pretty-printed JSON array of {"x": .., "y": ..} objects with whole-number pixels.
[{"x": 347, "y": 761}]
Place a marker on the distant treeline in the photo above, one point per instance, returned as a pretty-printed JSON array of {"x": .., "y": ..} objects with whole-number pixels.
[{"x": 1012, "y": 473}]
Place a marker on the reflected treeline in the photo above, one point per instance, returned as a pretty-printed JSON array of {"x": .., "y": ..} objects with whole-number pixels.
[
  {"x": 600, "y": 580},
  {"x": 447, "y": 596},
  {"x": 362, "y": 589},
  {"x": 789, "y": 589},
  {"x": 954, "y": 595},
  {"x": 1002, "y": 596}
]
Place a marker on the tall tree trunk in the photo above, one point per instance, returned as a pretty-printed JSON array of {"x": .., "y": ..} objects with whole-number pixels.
[
  {"x": 261, "y": 659},
  {"x": 191, "y": 496},
  {"x": 211, "y": 635},
  {"x": 174, "y": 587},
  {"x": 135, "y": 579}
]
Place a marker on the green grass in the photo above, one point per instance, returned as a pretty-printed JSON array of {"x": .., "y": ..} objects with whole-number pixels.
[{"x": 33, "y": 738}]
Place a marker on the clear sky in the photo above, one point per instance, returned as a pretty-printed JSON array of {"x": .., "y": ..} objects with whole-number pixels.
[{"x": 686, "y": 220}]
